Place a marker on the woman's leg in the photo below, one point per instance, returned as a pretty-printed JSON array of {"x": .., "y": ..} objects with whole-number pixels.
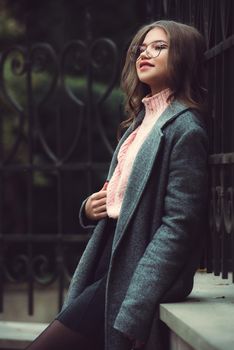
[
  {"x": 81, "y": 325},
  {"x": 59, "y": 337}
]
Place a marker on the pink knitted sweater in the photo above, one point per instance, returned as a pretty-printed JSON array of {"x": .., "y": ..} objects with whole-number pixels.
[{"x": 154, "y": 106}]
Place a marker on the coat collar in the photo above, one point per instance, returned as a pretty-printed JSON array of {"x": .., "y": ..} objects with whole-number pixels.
[
  {"x": 143, "y": 163},
  {"x": 172, "y": 111}
]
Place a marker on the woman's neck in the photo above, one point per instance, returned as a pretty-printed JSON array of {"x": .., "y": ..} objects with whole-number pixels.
[{"x": 156, "y": 103}]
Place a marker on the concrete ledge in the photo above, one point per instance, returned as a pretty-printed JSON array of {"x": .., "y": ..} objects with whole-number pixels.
[
  {"x": 205, "y": 321},
  {"x": 18, "y": 335}
]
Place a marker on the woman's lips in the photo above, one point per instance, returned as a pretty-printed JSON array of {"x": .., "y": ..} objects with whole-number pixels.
[{"x": 145, "y": 65}]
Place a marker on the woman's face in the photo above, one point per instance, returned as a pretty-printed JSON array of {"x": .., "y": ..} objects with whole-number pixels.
[{"x": 151, "y": 64}]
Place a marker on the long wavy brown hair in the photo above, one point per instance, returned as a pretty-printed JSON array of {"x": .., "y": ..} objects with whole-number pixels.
[{"x": 186, "y": 76}]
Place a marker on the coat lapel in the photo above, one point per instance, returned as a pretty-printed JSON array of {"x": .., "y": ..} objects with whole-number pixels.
[
  {"x": 143, "y": 165},
  {"x": 131, "y": 128}
]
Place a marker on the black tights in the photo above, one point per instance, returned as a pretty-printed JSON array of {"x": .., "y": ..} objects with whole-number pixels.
[{"x": 59, "y": 337}]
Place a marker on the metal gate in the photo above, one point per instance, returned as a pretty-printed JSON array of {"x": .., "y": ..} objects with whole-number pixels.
[{"x": 58, "y": 118}]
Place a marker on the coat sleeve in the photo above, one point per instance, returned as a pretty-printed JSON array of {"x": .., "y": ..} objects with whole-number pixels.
[
  {"x": 84, "y": 221},
  {"x": 185, "y": 203}
]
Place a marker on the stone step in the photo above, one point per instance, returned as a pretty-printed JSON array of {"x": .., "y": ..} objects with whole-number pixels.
[{"x": 18, "y": 335}]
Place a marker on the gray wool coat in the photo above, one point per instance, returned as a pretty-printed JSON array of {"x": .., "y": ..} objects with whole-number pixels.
[{"x": 159, "y": 232}]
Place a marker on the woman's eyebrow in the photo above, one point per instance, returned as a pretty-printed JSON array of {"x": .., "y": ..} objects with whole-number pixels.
[{"x": 155, "y": 41}]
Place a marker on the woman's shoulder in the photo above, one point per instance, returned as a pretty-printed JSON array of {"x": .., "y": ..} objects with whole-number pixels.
[
  {"x": 189, "y": 120},
  {"x": 188, "y": 127}
]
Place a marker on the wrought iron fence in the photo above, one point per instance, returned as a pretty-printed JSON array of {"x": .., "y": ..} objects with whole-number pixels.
[
  {"x": 54, "y": 150},
  {"x": 56, "y": 140}
]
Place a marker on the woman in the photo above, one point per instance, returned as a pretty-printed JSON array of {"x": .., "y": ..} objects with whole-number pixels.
[{"x": 150, "y": 216}]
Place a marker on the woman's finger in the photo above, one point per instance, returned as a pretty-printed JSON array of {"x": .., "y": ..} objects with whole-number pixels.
[
  {"x": 98, "y": 195},
  {"x": 105, "y": 186},
  {"x": 100, "y": 215},
  {"x": 99, "y": 209},
  {"x": 99, "y": 202}
]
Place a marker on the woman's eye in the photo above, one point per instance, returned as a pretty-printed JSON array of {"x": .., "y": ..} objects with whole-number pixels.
[
  {"x": 159, "y": 47},
  {"x": 141, "y": 49}
]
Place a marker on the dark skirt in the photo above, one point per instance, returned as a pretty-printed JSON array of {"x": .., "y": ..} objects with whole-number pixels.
[{"x": 86, "y": 313}]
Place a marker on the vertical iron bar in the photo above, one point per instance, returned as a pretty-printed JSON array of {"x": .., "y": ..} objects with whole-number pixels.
[
  {"x": 1, "y": 272},
  {"x": 1, "y": 215},
  {"x": 216, "y": 148},
  {"x": 232, "y": 139},
  {"x": 1, "y": 171},
  {"x": 232, "y": 178},
  {"x": 30, "y": 112},
  {"x": 209, "y": 241},
  {"x": 216, "y": 236},
  {"x": 191, "y": 19},
  {"x": 59, "y": 252},
  {"x": 61, "y": 267},
  {"x": 89, "y": 100},
  {"x": 211, "y": 228},
  {"x": 224, "y": 256},
  {"x": 150, "y": 10},
  {"x": 232, "y": 233},
  {"x": 1, "y": 139},
  {"x": 232, "y": 142}
]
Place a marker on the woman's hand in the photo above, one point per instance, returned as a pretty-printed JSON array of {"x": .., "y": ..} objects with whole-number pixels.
[{"x": 95, "y": 207}]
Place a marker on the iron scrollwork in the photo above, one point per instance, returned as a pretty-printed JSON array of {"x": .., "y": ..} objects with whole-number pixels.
[{"x": 84, "y": 61}]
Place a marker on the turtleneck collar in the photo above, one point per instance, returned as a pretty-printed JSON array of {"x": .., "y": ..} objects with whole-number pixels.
[{"x": 156, "y": 104}]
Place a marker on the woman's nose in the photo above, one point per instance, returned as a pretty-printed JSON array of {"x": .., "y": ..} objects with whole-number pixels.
[{"x": 144, "y": 54}]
